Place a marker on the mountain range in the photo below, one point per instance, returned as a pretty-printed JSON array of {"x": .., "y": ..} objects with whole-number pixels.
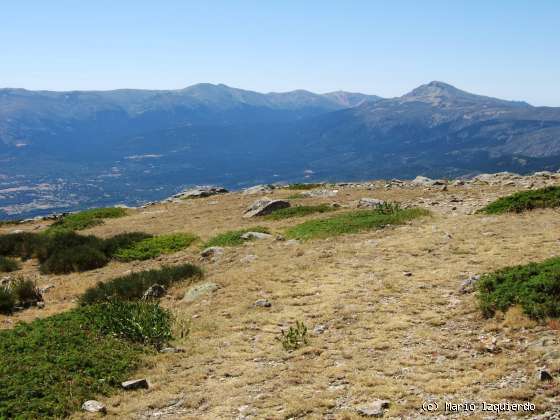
[{"x": 64, "y": 150}]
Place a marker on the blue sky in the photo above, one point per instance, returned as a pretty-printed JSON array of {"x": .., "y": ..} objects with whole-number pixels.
[{"x": 509, "y": 49}]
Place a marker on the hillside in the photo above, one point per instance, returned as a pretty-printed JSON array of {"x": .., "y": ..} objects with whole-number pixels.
[{"x": 388, "y": 315}]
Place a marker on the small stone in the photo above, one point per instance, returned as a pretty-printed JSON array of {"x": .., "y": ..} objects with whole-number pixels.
[
  {"x": 469, "y": 284},
  {"x": 292, "y": 242},
  {"x": 135, "y": 384},
  {"x": 46, "y": 288},
  {"x": 212, "y": 251},
  {"x": 263, "y": 303},
  {"x": 172, "y": 350},
  {"x": 255, "y": 235},
  {"x": 248, "y": 258},
  {"x": 374, "y": 409},
  {"x": 93, "y": 406},
  {"x": 155, "y": 291},
  {"x": 319, "y": 329},
  {"x": 407, "y": 273},
  {"x": 370, "y": 203},
  {"x": 40, "y": 305},
  {"x": 543, "y": 375}
]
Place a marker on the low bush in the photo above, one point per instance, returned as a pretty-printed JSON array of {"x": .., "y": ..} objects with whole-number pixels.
[
  {"x": 50, "y": 366},
  {"x": 155, "y": 246},
  {"x": 535, "y": 287},
  {"x": 86, "y": 219},
  {"x": 233, "y": 237},
  {"x": 64, "y": 251},
  {"x": 302, "y": 187},
  {"x": 548, "y": 197},
  {"x": 7, "y": 265},
  {"x": 26, "y": 292},
  {"x": 295, "y": 337},
  {"x": 7, "y": 300},
  {"x": 298, "y": 211},
  {"x": 132, "y": 286},
  {"x": 354, "y": 222}
]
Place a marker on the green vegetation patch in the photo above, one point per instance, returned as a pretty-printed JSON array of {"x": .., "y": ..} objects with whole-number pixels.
[
  {"x": 302, "y": 187},
  {"x": 298, "y": 211},
  {"x": 134, "y": 285},
  {"x": 50, "y": 366},
  {"x": 87, "y": 218},
  {"x": 7, "y": 265},
  {"x": 354, "y": 222},
  {"x": 155, "y": 246},
  {"x": 233, "y": 237},
  {"x": 535, "y": 287},
  {"x": 548, "y": 197}
]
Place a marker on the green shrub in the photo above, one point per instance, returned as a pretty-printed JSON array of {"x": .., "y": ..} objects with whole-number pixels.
[
  {"x": 295, "y": 337},
  {"x": 140, "y": 322},
  {"x": 548, "y": 197},
  {"x": 298, "y": 211},
  {"x": 301, "y": 187},
  {"x": 7, "y": 300},
  {"x": 233, "y": 237},
  {"x": 69, "y": 260},
  {"x": 7, "y": 265},
  {"x": 50, "y": 366},
  {"x": 155, "y": 246},
  {"x": 132, "y": 286},
  {"x": 534, "y": 286},
  {"x": 24, "y": 245},
  {"x": 353, "y": 222},
  {"x": 87, "y": 218},
  {"x": 26, "y": 292},
  {"x": 123, "y": 240}
]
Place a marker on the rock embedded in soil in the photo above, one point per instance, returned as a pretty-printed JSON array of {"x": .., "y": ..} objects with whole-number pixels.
[
  {"x": 93, "y": 406},
  {"x": 212, "y": 251},
  {"x": 374, "y": 409},
  {"x": 255, "y": 235},
  {"x": 135, "y": 384},
  {"x": 155, "y": 291},
  {"x": 199, "y": 290},
  {"x": 365, "y": 203},
  {"x": 265, "y": 206},
  {"x": 263, "y": 303}
]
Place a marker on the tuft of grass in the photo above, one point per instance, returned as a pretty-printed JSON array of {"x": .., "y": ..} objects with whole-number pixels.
[
  {"x": 548, "y": 197},
  {"x": 7, "y": 265},
  {"x": 7, "y": 300},
  {"x": 354, "y": 222},
  {"x": 298, "y": 211},
  {"x": 86, "y": 219},
  {"x": 295, "y": 337},
  {"x": 132, "y": 286},
  {"x": 535, "y": 287},
  {"x": 155, "y": 246},
  {"x": 26, "y": 292},
  {"x": 303, "y": 187},
  {"x": 233, "y": 237},
  {"x": 50, "y": 366}
]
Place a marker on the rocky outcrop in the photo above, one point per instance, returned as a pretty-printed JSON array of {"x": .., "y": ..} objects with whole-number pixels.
[
  {"x": 258, "y": 189},
  {"x": 199, "y": 192},
  {"x": 365, "y": 203},
  {"x": 265, "y": 206}
]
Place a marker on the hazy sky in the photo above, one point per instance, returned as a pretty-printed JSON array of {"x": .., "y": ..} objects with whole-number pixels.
[{"x": 508, "y": 48}]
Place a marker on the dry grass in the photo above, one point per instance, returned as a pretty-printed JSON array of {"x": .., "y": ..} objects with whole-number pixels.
[{"x": 387, "y": 335}]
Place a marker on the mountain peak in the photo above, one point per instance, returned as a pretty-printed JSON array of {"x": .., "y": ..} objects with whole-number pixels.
[{"x": 435, "y": 92}]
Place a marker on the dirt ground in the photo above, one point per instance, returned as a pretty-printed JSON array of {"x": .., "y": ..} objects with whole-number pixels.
[{"x": 374, "y": 332}]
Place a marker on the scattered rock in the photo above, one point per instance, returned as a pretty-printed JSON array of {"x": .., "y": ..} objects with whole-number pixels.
[
  {"x": 40, "y": 305},
  {"x": 370, "y": 203},
  {"x": 93, "y": 406},
  {"x": 155, "y": 291},
  {"x": 255, "y": 235},
  {"x": 135, "y": 384},
  {"x": 469, "y": 284},
  {"x": 407, "y": 273},
  {"x": 263, "y": 303},
  {"x": 198, "y": 290},
  {"x": 258, "y": 189},
  {"x": 424, "y": 181},
  {"x": 292, "y": 242},
  {"x": 248, "y": 258},
  {"x": 374, "y": 409},
  {"x": 320, "y": 193},
  {"x": 172, "y": 350},
  {"x": 212, "y": 251},
  {"x": 202, "y": 191},
  {"x": 319, "y": 329},
  {"x": 265, "y": 206},
  {"x": 543, "y": 375}
]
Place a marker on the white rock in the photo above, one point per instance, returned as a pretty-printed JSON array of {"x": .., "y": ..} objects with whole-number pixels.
[{"x": 93, "y": 406}]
